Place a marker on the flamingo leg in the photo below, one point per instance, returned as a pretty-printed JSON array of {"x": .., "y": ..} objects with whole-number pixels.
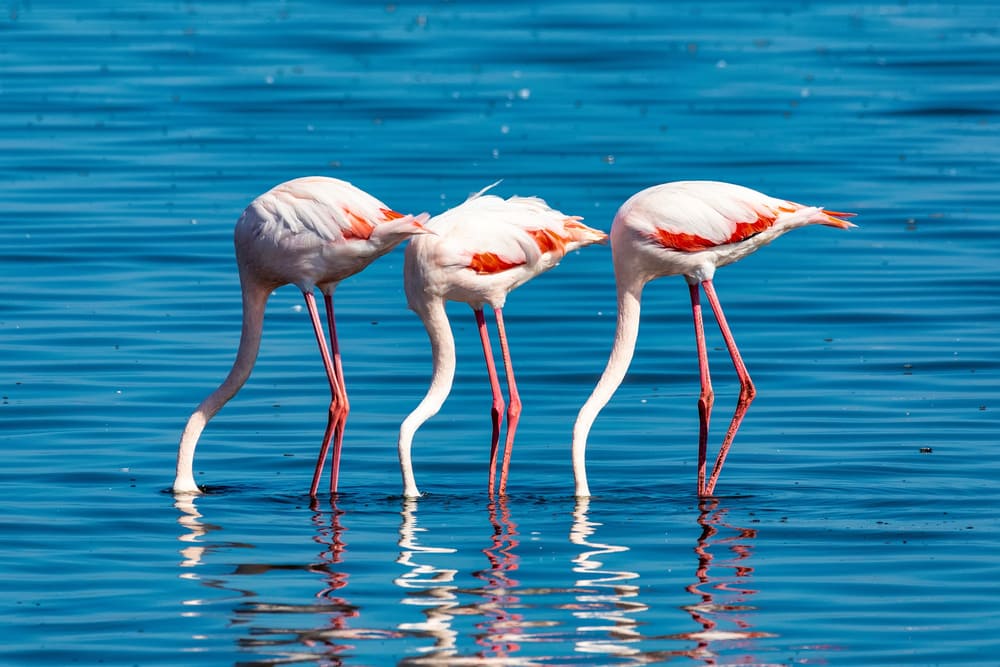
[
  {"x": 513, "y": 404},
  {"x": 340, "y": 402},
  {"x": 747, "y": 390},
  {"x": 496, "y": 412},
  {"x": 707, "y": 396},
  {"x": 331, "y": 375}
]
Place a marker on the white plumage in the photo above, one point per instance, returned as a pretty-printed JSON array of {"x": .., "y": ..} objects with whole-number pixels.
[
  {"x": 310, "y": 232},
  {"x": 687, "y": 228},
  {"x": 481, "y": 251}
]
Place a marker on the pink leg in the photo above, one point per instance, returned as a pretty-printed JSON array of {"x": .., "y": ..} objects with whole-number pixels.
[
  {"x": 513, "y": 405},
  {"x": 707, "y": 396},
  {"x": 496, "y": 412},
  {"x": 341, "y": 405},
  {"x": 331, "y": 375},
  {"x": 747, "y": 390}
]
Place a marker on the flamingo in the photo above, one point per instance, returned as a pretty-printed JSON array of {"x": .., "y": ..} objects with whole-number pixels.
[
  {"x": 311, "y": 232},
  {"x": 687, "y": 228},
  {"x": 482, "y": 250}
]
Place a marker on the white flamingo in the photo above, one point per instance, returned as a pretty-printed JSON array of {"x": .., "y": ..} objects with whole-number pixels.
[
  {"x": 310, "y": 232},
  {"x": 481, "y": 251},
  {"x": 687, "y": 228}
]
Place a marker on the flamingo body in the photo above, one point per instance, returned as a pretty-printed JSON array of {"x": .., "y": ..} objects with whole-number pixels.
[
  {"x": 315, "y": 232},
  {"x": 687, "y": 228},
  {"x": 481, "y": 250},
  {"x": 311, "y": 232},
  {"x": 488, "y": 246}
]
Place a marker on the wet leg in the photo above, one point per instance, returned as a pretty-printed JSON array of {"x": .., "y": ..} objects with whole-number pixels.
[
  {"x": 496, "y": 412},
  {"x": 747, "y": 390},
  {"x": 513, "y": 404},
  {"x": 339, "y": 403},
  {"x": 331, "y": 376},
  {"x": 707, "y": 396}
]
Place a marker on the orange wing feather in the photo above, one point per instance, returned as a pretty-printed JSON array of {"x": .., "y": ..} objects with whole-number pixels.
[
  {"x": 745, "y": 230},
  {"x": 490, "y": 262},
  {"x": 682, "y": 242},
  {"x": 693, "y": 242},
  {"x": 548, "y": 241},
  {"x": 360, "y": 228}
]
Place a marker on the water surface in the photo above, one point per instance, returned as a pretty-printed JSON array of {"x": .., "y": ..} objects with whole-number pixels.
[{"x": 856, "y": 521}]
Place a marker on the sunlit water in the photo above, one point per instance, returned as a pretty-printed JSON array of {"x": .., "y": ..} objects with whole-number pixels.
[{"x": 856, "y": 521}]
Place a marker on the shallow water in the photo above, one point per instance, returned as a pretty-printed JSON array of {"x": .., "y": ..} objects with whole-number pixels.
[{"x": 856, "y": 520}]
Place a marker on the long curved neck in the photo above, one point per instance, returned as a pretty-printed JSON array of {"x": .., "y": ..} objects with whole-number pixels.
[
  {"x": 626, "y": 334},
  {"x": 254, "y": 300},
  {"x": 443, "y": 351}
]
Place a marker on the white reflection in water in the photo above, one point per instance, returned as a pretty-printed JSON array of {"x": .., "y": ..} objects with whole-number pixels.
[
  {"x": 194, "y": 550},
  {"x": 606, "y": 607},
  {"x": 498, "y": 620},
  {"x": 325, "y": 633},
  {"x": 190, "y": 519},
  {"x": 428, "y": 587},
  {"x": 502, "y": 629}
]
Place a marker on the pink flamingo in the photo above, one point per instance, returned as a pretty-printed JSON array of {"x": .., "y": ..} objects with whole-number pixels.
[
  {"x": 687, "y": 228},
  {"x": 481, "y": 250},
  {"x": 310, "y": 232}
]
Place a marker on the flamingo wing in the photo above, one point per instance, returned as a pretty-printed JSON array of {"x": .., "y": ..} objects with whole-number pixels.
[
  {"x": 488, "y": 234},
  {"x": 689, "y": 216},
  {"x": 319, "y": 208}
]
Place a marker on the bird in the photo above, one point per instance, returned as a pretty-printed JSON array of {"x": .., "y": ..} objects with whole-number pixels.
[
  {"x": 687, "y": 228},
  {"x": 482, "y": 250},
  {"x": 311, "y": 232}
]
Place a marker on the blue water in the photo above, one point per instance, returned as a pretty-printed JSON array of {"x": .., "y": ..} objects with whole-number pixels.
[{"x": 856, "y": 522}]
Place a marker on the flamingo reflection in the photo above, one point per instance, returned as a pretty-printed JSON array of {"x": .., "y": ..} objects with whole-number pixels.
[
  {"x": 502, "y": 629},
  {"x": 194, "y": 539},
  {"x": 722, "y": 586},
  {"x": 336, "y": 609},
  {"x": 606, "y": 603},
  {"x": 194, "y": 550},
  {"x": 197, "y": 547},
  {"x": 427, "y": 586},
  {"x": 328, "y": 640}
]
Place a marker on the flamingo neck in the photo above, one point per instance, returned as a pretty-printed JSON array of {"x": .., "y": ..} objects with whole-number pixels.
[
  {"x": 626, "y": 334},
  {"x": 443, "y": 352},
  {"x": 254, "y": 300}
]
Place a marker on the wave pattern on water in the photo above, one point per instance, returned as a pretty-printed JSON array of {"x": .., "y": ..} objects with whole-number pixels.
[{"x": 855, "y": 523}]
